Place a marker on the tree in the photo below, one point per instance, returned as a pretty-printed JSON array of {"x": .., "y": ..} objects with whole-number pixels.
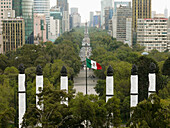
[
  {"x": 113, "y": 112},
  {"x": 150, "y": 113},
  {"x": 166, "y": 67},
  {"x": 53, "y": 112},
  {"x": 143, "y": 64}
]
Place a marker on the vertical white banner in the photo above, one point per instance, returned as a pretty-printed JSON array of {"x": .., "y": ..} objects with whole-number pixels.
[
  {"x": 64, "y": 86},
  {"x": 109, "y": 87},
  {"x": 22, "y": 97},
  {"x": 152, "y": 84}
]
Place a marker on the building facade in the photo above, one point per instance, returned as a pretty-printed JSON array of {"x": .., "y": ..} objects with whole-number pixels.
[
  {"x": 91, "y": 19},
  {"x": 122, "y": 3},
  {"x": 152, "y": 33},
  {"x": 75, "y": 18},
  {"x": 5, "y": 5},
  {"x": 54, "y": 29},
  {"x": 104, "y": 4},
  {"x": 43, "y": 7},
  {"x": 123, "y": 12},
  {"x": 64, "y": 9},
  {"x": 108, "y": 16},
  {"x": 24, "y": 9},
  {"x": 39, "y": 28},
  {"x": 166, "y": 12},
  {"x": 13, "y": 35},
  {"x": 74, "y": 10},
  {"x": 141, "y": 9},
  {"x": 128, "y": 32}
]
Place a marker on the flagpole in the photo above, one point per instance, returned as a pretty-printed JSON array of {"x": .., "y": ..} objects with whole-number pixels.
[{"x": 86, "y": 75}]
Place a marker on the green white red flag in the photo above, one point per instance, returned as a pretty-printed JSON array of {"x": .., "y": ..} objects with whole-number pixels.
[{"x": 93, "y": 64}]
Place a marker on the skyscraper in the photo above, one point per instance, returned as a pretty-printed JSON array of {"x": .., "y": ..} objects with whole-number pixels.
[
  {"x": 140, "y": 9},
  {"x": 64, "y": 8},
  {"x": 104, "y": 4},
  {"x": 63, "y": 4},
  {"x": 91, "y": 19},
  {"x": 43, "y": 7},
  {"x": 166, "y": 13},
  {"x": 24, "y": 9}
]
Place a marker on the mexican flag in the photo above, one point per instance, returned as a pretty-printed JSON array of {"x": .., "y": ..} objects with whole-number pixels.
[{"x": 93, "y": 64}]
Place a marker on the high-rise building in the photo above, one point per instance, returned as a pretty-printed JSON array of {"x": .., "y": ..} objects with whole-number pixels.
[
  {"x": 5, "y": 5},
  {"x": 43, "y": 7},
  {"x": 13, "y": 34},
  {"x": 153, "y": 14},
  {"x": 24, "y": 9},
  {"x": 166, "y": 12},
  {"x": 91, "y": 19},
  {"x": 56, "y": 13},
  {"x": 152, "y": 33},
  {"x": 108, "y": 16},
  {"x": 39, "y": 28},
  {"x": 141, "y": 9},
  {"x": 128, "y": 32},
  {"x": 123, "y": 12},
  {"x": 122, "y": 3},
  {"x": 75, "y": 20},
  {"x": 104, "y": 4},
  {"x": 64, "y": 8},
  {"x": 54, "y": 29},
  {"x": 63, "y": 4},
  {"x": 74, "y": 10}
]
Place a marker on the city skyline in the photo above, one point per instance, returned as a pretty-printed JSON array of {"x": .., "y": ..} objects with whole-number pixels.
[{"x": 85, "y": 6}]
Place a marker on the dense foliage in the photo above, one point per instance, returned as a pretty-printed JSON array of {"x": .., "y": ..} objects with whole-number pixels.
[
  {"x": 107, "y": 51},
  {"x": 52, "y": 57},
  {"x": 84, "y": 110}
]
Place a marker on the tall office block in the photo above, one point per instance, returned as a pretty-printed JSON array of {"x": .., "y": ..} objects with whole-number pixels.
[
  {"x": 74, "y": 10},
  {"x": 91, "y": 19},
  {"x": 141, "y": 9},
  {"x": 108, "y": 16},
  {"x": 123, "y": 12},
  {"x": 4, "y": 5},
  {"x": 24, "y": 9},
  {"x": 117, "y": 4},
  {"x": 63, "y": 4},
  {"x": 43, "y": 7},
  {"x": 64, "y": 8},
  {"x": 166, "y": 13},
  {"x": 104, "y": 4},
  {"x": 75, "y": 18}
]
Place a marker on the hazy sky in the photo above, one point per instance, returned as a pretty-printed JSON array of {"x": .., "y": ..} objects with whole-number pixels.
[{"x": 85, "y": 6}]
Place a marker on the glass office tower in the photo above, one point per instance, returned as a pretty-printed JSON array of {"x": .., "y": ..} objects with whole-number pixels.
[{"x": 24, "y": 9}]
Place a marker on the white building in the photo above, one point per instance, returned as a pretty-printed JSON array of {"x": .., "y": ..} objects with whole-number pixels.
[
  {"x": 54, "y": 29},
  {"x": 65, "y": 21},
  {"x": 114, "y": 26},
  {"x": 152, "y": 33},
  {"x": 166, "y": 12},
  {"x": 128, "y": 32}
]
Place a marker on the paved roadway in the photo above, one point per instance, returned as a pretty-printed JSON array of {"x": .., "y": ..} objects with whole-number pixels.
[{"x": 80, "y": 82}]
